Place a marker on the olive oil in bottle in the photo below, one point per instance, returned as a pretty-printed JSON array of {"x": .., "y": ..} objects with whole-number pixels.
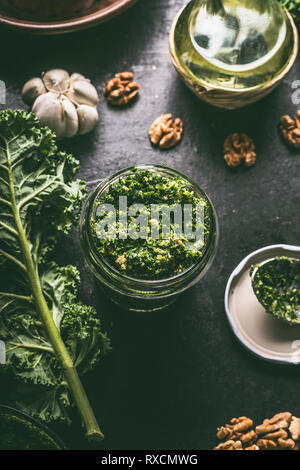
[{"x": 232, "y": 44}]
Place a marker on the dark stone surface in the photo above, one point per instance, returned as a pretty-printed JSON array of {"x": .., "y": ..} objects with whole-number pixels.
[{"x": 173, "y": 377}]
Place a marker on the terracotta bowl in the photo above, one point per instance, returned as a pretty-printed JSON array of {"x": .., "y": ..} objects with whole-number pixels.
[{"x": 57, "y": 16}]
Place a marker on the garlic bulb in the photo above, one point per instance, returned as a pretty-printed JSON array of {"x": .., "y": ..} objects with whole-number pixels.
[{"x": 66, "y": 104}]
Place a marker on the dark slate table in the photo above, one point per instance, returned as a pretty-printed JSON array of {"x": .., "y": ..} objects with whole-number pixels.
[{"x": 174, "y": 376}]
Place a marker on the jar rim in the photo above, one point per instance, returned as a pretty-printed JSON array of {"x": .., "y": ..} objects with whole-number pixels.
[{"x": 105, "y": 183}]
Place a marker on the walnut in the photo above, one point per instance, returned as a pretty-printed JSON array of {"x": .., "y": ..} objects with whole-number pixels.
[
  {"x": 224, "y": 433},
  {"x": 240, "y": 431},
  {"x": 282, "y": 432},
  {"x": 248, "y": 438},
  {"x": 290, "y": 130},
  {"x": 266, "y": 444},
  {"x": 279, "y": 421},
  {"x": 241, "y": 424},
  {"x": 295, "y": 428},
  {"x": 274, "y": 433},
  {"x": 229, "y": 445},
  {"x": 285, "y": 416},
  {"x": 287, "y": 444},
  {"x": 165, "y": 131},
  {"x": 239, "y": 148},
  {"x": 121, "y": 89}
]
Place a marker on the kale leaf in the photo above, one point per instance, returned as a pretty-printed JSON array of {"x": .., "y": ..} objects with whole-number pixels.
[{"x": 48, "y": 335}]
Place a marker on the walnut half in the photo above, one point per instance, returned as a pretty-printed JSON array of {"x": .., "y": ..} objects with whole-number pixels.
[
  {"x": 239, "y": 148},
  {"x": 166, "y": 132},
  {"x": 290, "y": 130},
  {"x": 121, "y": 89},
  {"x": 239, "y": 430}
]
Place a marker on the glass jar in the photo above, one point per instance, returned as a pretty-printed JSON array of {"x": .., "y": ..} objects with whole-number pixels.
[
  {"x": 140, "y": 294},
  {"x": 233, "y": 52}
]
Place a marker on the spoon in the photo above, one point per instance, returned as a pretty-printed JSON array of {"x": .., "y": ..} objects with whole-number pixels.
[{"x": 276, "y": 284}]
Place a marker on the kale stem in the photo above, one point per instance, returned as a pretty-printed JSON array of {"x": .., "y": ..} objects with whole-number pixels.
[
  {"x": 31, "y": 346},
  {"x": 88, "y": 418},
  {"x": 8, "y": 228},
  {"x": 13, "y": 259},
  {"x": 16, "y": 296}
]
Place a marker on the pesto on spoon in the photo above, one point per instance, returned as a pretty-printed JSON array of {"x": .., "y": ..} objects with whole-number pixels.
[{"x": 276, "y": 284}]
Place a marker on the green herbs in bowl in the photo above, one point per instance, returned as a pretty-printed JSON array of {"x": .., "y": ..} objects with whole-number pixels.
[
  {"x": 276, "y": 284},
  {"x": 20, "y": 432},
  {"x": 293, "y": 6}
]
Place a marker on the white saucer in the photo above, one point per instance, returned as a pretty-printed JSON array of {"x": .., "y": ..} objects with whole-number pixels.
[{"x": 262, "y": 334}]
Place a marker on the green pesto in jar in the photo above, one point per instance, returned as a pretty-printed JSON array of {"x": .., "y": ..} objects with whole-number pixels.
[
  {"x": 18, "y": 433},
  {"x": 276, "y": 284},
  {"x": 151, "y": 258}
]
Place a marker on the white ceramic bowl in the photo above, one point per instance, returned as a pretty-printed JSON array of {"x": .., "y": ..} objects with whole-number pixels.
[{"x": 261, "y": 333}]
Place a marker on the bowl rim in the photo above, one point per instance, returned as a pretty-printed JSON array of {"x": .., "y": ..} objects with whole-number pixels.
[
  {"x": 83, "y": 21},
  {"x": 34, "y": 421}
]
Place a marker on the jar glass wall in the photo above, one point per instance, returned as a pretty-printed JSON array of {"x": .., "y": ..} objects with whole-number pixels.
[{"x": 143, "y": 294}]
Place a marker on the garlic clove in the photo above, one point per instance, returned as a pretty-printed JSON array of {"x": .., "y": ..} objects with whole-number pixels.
[
  {"x": 56, "y": 79},
  {"x": 32, "y": 89},
  {"x": 88, "y": 118},
  {"x": 58, "y": 113},
  {"x": 78, "y": 76},
  {"x": 83, "y": 92},
  {"x": 70, "y": 118}
]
